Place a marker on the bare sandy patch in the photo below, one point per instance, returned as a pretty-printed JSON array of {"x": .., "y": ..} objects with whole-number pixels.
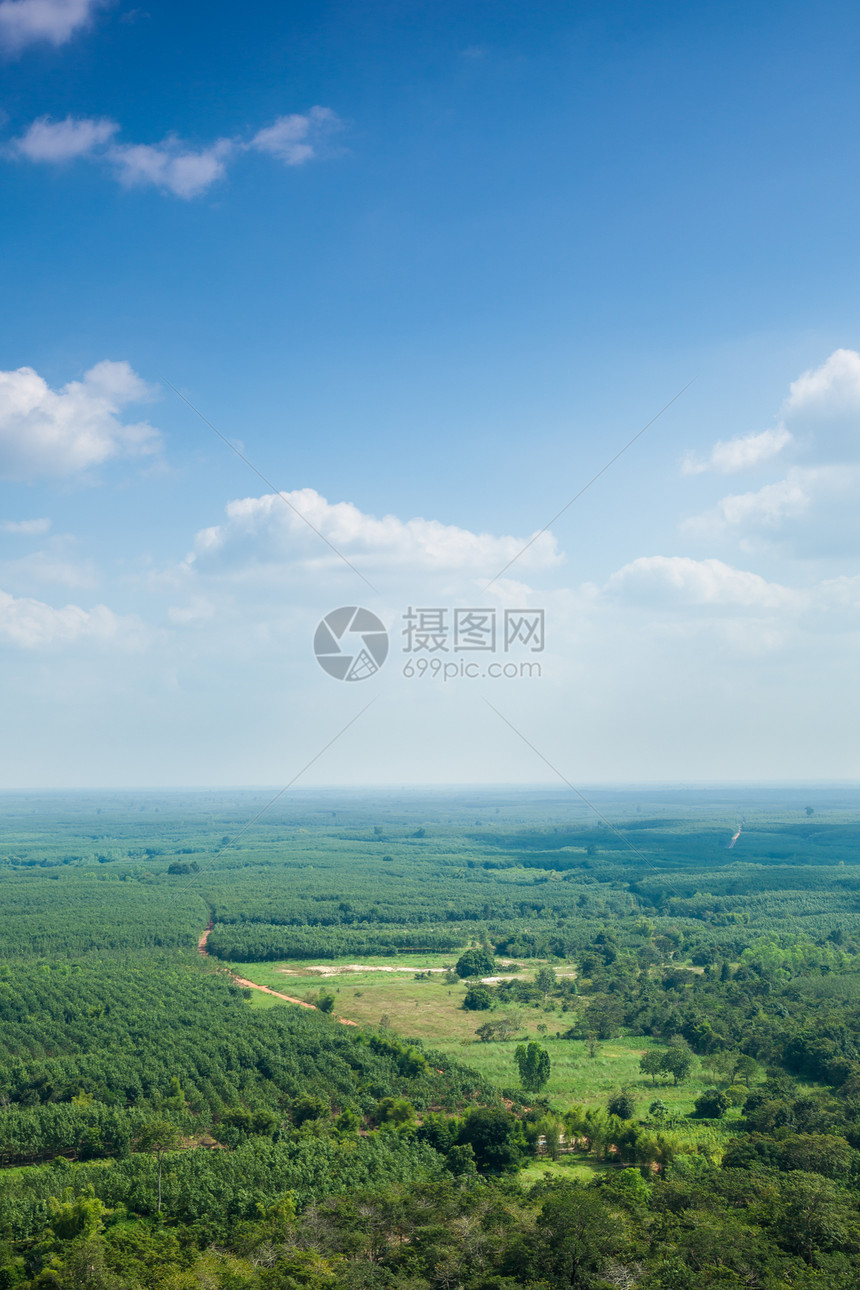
[{"x": 330, "y": 969}]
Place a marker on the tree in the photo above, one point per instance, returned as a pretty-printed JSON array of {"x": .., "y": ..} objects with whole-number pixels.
[
  {"x": 816, "y": 1215},
  {"x": 533, "y": 1064},
  {"x": 475, "y": 962},
  {"x": 579, "y": 1233},
  {"x": 678, "y": 1061},
  {"x": 712, "y": 1104},
  {"x": 622, "y": 1104},
  {"x": 493, "y": 1135},
  {"x": 546, "y": 980},
  {"x": 549, "y": 1128},
  {"x": 745, "y": 1068},
  {"x": 477, "y": 999},
  {"x": 397, "y": 1111},
  {"x": 501, "y": 1029},
  {"x": 157, "y": 1137},
  {"x": 651, "y": 1063},
  {"x": 305, "y": 1107}
]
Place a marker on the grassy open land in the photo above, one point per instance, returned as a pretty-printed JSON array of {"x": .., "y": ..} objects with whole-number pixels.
[
  {"x": 420, "y": 1007},
  {"x": 573, "y": 1167},
  {"x": 431, "y": 1010}
]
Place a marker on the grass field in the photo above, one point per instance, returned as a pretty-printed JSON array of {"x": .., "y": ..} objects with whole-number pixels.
[{"x": 431, "y": 1010}]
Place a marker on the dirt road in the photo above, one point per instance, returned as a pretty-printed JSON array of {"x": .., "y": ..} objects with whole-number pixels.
[{"x": 264, "y": 989}]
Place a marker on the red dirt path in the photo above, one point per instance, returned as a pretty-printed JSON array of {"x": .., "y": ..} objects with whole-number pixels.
[{"x": 264, "y": 989}]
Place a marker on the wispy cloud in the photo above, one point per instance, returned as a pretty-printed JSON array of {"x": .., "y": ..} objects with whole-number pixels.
[
  {"x": 26, "y": 528},
  {"x": 45, "y": 432},
  {"x": 741, "y": 453},
  {"x": 296, "y": 138},
  {"x": 54, "y": 22},
  {"x": 66, "y": 140},
  {"x": 173, "y": 166}
]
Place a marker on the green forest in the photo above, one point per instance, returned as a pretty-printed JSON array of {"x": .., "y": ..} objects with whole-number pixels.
[{"x": 430, "y": 1040}]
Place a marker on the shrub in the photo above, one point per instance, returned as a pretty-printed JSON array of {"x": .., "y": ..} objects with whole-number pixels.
[
  {"x": 712, "y": 1104},
  {"x": 622, "y": 1104},
  {"x": 475, "y": 962}
]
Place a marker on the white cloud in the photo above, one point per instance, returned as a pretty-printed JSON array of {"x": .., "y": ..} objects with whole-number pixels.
[
  {"x": 199, "y": 610},
  {"x": 831, "y": 388},
  {"x": 172, "y": 165},
  {"x": 741, "y": 453},
  {"x": 27, "y": 22},
  {"x": 294, "y": 139},
  {"x": 45, "y": 432},
  {"x": 813, "y": 506},
  {"x": 57, "y": 564},
  {"x": 27, "y": 528},
  {"x": 766, "y": 507},
  {"x": 32, "y": 624},
  {"x": 813, "y": 510},
  {"x": 681, "y": 581},
  {"x": 265, "y": 530},
  {"x": 820, "y": 416},
  {"x": 56, "y": 141}
]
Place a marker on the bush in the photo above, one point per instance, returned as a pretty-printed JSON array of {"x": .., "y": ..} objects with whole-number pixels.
[
  {"x": 477, "y": 999},
  {"x": 622, "y": 1104},
  {"x": 475, "y": 962},
  {"x": 494, "y": 1136},
  {"x": 712, "y": 1104},
  {"x": 306, "y": 1107}
]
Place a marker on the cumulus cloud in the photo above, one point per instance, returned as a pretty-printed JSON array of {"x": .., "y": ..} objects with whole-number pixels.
[
  {"x": 56, "y": 141},
  {"x": 264, "y": 530},
  {"x": 741, "y": 453},
  {"x": 32, "y": 624},
  {"x": 45, "y": 432},
  {"x": 172, "y": 166},
  {"x": 827, "y": 390},
  {"x": 681, "y": 581},
  {"x": 812, "y": 505},
  {"x": 820, "y": 417},
  {"x": 813, "y": 508},
  {"x": 766, "y": 507},
  {"x": 28, "y": 22}
]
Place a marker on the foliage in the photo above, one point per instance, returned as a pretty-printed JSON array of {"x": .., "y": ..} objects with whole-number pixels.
[
  {"x": 534, "y": 1066},
  {"x": 284, "y": 1149},
  {"x": 712, "y": 1104},
  {"x": 475, "y": 963}
]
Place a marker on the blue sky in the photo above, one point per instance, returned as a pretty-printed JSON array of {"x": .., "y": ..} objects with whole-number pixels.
[{"x": 438, "y": 263}]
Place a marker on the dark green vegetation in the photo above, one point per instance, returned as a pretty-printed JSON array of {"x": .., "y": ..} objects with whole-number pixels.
[{"x": 156, "y": 1130}]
